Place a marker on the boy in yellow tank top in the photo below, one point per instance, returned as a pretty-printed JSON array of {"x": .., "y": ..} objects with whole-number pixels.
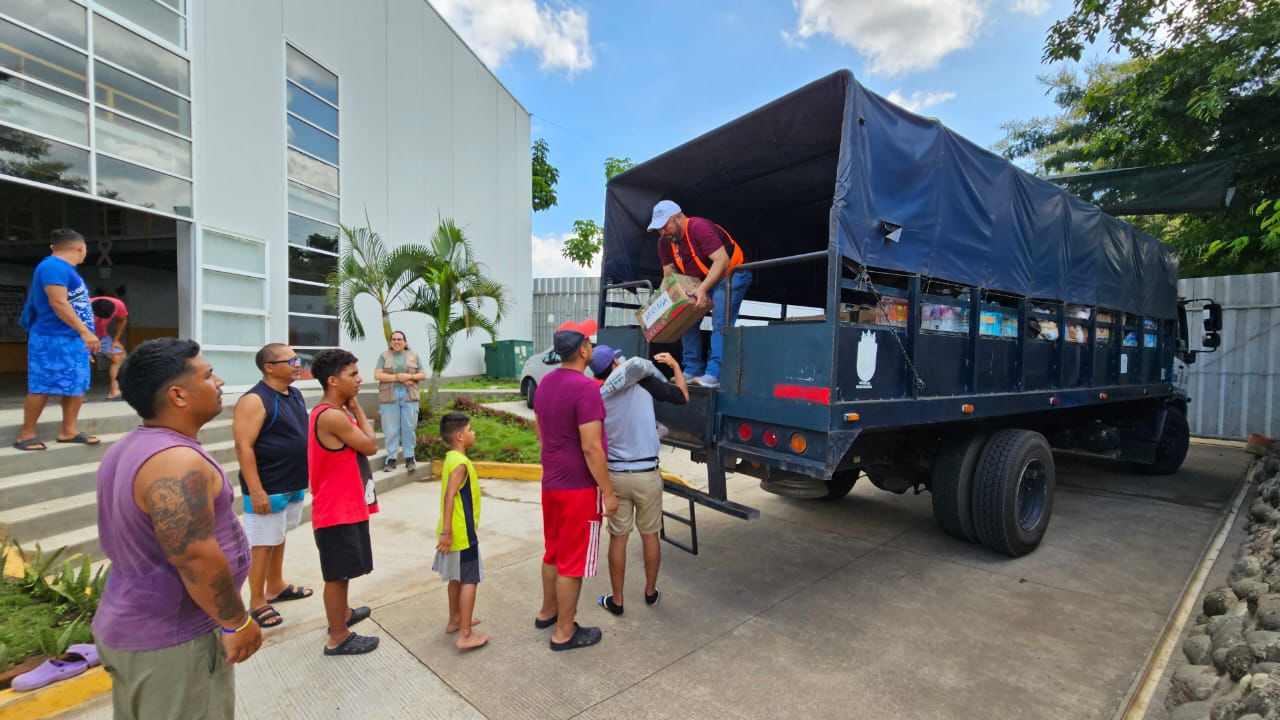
[{"x": 457, "y": 546}]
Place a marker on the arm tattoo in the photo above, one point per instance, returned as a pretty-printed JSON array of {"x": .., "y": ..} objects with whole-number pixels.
[
  {"x": 180, "y": 511},
  {"x": 225, "y": 596}
]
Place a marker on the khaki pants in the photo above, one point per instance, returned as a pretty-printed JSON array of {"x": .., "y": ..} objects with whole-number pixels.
[
  {"x": 191, "y": 681},
  {"x": 639, "y": 502}
]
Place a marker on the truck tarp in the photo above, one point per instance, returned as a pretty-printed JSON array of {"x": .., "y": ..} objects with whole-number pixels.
[{"x": 833, "y": 162}]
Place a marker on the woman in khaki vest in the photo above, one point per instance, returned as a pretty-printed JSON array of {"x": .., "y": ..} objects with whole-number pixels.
[{"x": 398, "y": 374}]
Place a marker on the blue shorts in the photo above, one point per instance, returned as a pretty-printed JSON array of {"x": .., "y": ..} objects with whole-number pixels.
[{"x": 57, "y": 365}]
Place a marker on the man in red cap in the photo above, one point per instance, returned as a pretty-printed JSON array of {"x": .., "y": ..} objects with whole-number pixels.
[{"x": 576, "y": 490}]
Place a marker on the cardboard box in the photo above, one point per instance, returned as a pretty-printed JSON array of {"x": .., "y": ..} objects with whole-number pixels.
[{"x": 671, "y": 312}]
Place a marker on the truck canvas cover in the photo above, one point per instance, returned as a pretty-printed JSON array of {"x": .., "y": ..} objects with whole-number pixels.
[{"x": 833, "y": 163}]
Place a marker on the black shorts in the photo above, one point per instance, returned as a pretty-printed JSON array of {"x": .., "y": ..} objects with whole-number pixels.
[{"x": 345, "y": 551}]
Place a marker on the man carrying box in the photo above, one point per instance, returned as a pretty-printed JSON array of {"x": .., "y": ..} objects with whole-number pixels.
[{"x": 699, "y": 248}]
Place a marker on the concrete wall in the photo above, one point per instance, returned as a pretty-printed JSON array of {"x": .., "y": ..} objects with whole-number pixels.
[
  {"x": 426, "y": 132},
  {"x": 1233, "y": 390}
]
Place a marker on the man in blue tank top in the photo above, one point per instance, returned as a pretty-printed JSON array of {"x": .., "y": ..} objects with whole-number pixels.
[
  {"x": 270, "y": 431},
  {"x": 171, "y": 622}
]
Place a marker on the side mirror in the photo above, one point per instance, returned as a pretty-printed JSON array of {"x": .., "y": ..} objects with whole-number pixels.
[
  {"x": 551, "y": 358},
  {"x": 1212, "y": 318},
  {"x": 1211, "y": 339}
]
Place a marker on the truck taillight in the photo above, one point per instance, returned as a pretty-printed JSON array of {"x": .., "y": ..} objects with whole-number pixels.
[
  {"x": 770, "y": 437},
  {"x": 798, "y": 443},
  {"x": 744, "y": 431}
]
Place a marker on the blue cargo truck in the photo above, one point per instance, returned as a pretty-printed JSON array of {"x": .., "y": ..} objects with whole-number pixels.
[{"x": 928, "y": 316}]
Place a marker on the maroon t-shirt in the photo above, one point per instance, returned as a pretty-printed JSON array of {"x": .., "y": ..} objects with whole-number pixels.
[
  {"x": 565, "y": 400},
  {"x": 706, "y": 239}
]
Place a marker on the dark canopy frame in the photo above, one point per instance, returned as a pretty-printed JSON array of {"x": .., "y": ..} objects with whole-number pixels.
[{"x": 833, "y": 165}]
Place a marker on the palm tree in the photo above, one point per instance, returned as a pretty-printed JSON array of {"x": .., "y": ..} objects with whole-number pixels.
[
  {"x": 454, "y": 288},
  {"x": 366, "y": 267}
]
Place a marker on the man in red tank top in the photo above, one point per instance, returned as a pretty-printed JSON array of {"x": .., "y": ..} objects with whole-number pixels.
[{"x": 339, "y": 435}]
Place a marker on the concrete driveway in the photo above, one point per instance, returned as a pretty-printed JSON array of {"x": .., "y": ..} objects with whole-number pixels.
[{"x": 859, "y": 608}]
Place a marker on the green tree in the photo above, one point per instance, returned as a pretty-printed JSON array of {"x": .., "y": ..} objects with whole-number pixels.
[
  {"x": 1202, "y": 84},
  {"x": 545, "y": 177},
  {"x": 588, "y": 236},
  {"x": 366, "y": 268},
  {"x": 454, "y": 291}
]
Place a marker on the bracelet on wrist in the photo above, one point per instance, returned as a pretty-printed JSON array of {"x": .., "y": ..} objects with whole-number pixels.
[{"x": 247, "y": 620}]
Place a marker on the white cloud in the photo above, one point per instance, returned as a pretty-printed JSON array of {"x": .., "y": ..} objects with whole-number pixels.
[
  {"x": 549, "y": 262},
  {"x": 920, "y": 99},
  {"x": 1034, "y": 8},
  {"x": 897, "y": 36},
  {"x": 497, "y": 28}
]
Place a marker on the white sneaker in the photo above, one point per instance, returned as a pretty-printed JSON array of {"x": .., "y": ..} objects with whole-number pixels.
[{"x": 706, "y": 381}]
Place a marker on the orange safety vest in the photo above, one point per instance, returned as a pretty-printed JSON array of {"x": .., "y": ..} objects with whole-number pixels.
[{"x": 735, "y": 257}]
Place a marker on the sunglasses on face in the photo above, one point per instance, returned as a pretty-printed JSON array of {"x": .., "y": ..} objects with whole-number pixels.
[{"x": 294, "y": 361}]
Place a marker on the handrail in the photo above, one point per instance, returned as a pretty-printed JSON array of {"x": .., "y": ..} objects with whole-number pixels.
[
  {"x": 774, "y": 262},
  {"x": 631, "y": 284}
]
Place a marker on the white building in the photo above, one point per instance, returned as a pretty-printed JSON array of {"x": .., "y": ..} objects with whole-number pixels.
[{"x": 207, "y": 150}]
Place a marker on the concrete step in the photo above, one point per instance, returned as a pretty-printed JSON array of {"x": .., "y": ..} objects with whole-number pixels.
[
  {"x": 14, "y": 462},
  {"x": 76, "y": 515},
  {"x": 97, "y": 418}
]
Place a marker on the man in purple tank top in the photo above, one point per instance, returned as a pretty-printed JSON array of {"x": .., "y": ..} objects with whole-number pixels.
[{"x": 171, "y": 622}]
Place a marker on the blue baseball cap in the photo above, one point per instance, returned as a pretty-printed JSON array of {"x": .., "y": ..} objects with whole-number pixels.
[{"x": 601, "y": 358}]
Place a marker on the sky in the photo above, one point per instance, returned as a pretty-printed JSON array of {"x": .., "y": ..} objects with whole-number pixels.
[{"x": 634, "y": 79}]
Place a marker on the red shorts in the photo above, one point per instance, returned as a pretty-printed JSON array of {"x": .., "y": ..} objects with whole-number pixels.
[{"x": 571, "y": 530}]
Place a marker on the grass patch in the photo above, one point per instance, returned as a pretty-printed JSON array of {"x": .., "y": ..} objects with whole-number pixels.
[
  {"x": 32, "y": 628},
  {"x": 500, "y": 436},
  {"x": 483, "y": 383}
]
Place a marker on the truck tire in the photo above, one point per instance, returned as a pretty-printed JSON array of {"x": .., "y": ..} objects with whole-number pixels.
[
  {"x": 529, "y": 387},
  {"x": 1013, "y": 492},
  {"x": 840, "y": 485},
  {"x": 1171, "y": 451},
  {"x": 952, "y": 484}
]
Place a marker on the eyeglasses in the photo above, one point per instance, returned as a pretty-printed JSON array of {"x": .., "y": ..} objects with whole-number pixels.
[{"x": 294, "y": 361}]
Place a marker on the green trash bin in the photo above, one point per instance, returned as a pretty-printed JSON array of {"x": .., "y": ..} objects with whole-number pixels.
[{"x": 505, "y": 358}]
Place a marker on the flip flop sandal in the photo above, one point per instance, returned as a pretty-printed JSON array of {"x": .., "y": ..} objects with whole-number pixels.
[
  {"x": 544, "y": 624},
  {"x": 30, "y": 443},
  {"x": 582, "y": 637},
  {"x": 354, "y": 645},
  {"x": 606, "y": 602},
  {"x": 357, "y": 614},
  {"x": 81, "y": 439},
  {"x": 50, "y": 671},
  {"x": 654, "y": 598},
  {"x": 266, "y": 616},
  {"x": 293, "y": 592}
]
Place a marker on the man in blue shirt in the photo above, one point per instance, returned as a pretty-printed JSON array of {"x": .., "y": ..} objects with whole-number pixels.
[
  {"x": 59, "y": 321},
  {"x": 629, "y": 387}
]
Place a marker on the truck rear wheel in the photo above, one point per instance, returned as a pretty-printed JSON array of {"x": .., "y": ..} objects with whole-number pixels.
[
  {"x": 840, "y": 485},
  {"x": 1013, "y": 492},
  {"x": 1171, "y": 451},
  {"x": 952, "y": 484}
]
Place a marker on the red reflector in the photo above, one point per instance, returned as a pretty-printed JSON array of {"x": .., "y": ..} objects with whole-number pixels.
[
  {"x": 770, "y": 437},
  {"x": 744, "y": 432},
  {"x": 820, "y": 395}
]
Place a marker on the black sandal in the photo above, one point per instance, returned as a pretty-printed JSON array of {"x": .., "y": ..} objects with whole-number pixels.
[
  {"x": 355, "y": 644},
  {"x": 606, "y": 602},
  {"x": 582, "y": 637},
  {"x": 292, "y": 592},
  {"x": 544, "y": 624},
  {"x": 81, "y": 439},
  {"x": 654, "y": 598},
  {"x": 357, "y": 614},
  {"x": 30, "y": 444},
  {"x": 266, "y": 616}
]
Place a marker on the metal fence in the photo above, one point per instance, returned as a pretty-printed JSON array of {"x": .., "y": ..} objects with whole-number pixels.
[
  {"x": 556, "y": 300},
  {"x": 1233, "y": 390}
]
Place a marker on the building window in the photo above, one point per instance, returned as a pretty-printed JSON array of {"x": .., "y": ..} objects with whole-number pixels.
[
  {"x": 95, "y": 98},
  {"x": 311, "y": 116},
  {"x": 233, "y": 303}
]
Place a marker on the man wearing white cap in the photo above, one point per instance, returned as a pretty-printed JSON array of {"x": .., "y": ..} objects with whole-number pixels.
[{"x": 703, "y": 250}]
